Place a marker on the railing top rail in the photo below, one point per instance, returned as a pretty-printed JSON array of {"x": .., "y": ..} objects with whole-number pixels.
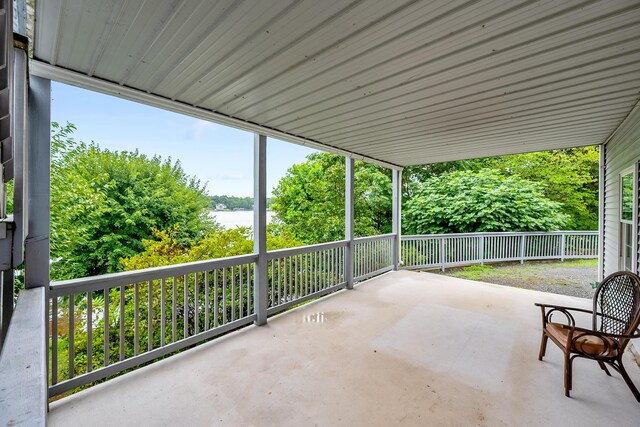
[
  {"x": 154, "y": 273},
  {"x": 502, "y": 233},
  {"x": 369, "y": 238},
  {"x": 280, "y": 253}
]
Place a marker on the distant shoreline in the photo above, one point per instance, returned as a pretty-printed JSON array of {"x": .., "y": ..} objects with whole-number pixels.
[{"x": 234, "y": 219}]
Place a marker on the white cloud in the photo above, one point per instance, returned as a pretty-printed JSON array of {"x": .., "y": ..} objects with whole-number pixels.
[{"x": 199, "y": 129}]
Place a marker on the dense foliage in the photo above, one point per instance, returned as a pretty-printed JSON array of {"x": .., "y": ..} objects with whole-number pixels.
[
  {"x": 467, "y": 202},
  {"x": 104, "y": 203},
  {"x": 309, "y": 199},
  {"x": 568, "y": 176},
  {"x": 166, "y": 249}
]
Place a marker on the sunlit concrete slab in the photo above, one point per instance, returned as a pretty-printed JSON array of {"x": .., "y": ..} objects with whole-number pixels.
[{"x": 406, "y": 348}]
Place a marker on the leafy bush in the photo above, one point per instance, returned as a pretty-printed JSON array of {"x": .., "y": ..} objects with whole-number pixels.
[
  {"x": 309, "y": 199},
  {"x": 486, "y": 200},
  {"x": 104, "y": 203}
]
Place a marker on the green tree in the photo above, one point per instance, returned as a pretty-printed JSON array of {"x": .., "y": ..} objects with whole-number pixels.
[
  {"x": 568, "y": 176},
  {"x": 166, "y": 249},
  {"x": 104, "y": 203},
  {"x": 309, "y": 199},
  {"x": 487, "y": 200}
]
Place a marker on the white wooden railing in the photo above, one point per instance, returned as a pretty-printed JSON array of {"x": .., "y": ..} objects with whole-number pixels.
[
  {"x": 299, "y": 274},
  {"x": 149, "y": 313},
  {"x": 449, "y": 250},
  {"x": 153, "y": 312},
  {"x": 372, "y": 256}
]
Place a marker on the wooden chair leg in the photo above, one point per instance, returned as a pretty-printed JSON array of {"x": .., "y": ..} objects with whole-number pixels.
[
  {"x": 543, "y": 346},
  {"x": 604, "y": 368},
  {"x": 628, "y": 380},
  {"x": 567, "y": 375},
  {"x": 571, "y": 373}
]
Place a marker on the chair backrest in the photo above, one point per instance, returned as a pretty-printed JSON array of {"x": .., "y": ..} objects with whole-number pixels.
[{"x": 618, "y": 299}]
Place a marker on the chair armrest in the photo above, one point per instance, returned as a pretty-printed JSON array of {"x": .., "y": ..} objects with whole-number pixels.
[
  {"x": 547, "y": 314},
  {"x": 584, "y": 331},
  {"x": 584, "y": 310}
]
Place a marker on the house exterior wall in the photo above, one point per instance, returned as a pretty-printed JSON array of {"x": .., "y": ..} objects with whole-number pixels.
[{"x": 621, "y": 152}]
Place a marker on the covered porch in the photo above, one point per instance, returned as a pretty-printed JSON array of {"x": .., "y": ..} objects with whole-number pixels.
[
  {"x": 404, "y": 348},
  {"x": 394, "y": 84}
]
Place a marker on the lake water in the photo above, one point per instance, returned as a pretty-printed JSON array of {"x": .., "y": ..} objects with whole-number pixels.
[{"x": 233, "y": 219}]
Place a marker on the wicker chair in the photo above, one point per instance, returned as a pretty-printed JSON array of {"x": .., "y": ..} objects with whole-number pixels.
[{"x": 616, "y": 322}]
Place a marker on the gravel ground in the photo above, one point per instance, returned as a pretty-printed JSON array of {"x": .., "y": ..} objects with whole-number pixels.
[{"x": 572, "y": 278}]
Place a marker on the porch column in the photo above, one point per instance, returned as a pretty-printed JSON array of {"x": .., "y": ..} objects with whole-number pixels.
[
  {"x": 396, "y": 212},
  {"x": 349, "y": 213},
  {"x": 260, "y": 275},
  {"x": 601, "y": 213},
  {"x": 36, "y": 272}
]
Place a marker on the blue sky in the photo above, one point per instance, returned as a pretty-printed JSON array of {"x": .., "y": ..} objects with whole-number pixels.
[{"x": 219, "y": 155}]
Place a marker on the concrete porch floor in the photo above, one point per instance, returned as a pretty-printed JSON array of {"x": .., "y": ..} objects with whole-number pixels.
[{"x": 405, "y": 348}]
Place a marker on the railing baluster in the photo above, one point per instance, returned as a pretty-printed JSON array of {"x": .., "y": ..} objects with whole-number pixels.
[
  {"x": 249, "y": 291},
  {"x": 122, "y": 337},
  {"x": 149, "y": 315},
  {"x": 296, "y": 293},
  {"x": 241, "y": 296},
  {"x": 162, "y": 310},
  {"x": 273, "y": 280},
  {"x": 54, "y": 340},
  {"x": 233, "y": 293},
  {"x": 279, "y": 281},
  {"x": 224, "y": 295},
  {"x": 174, "y": 306},
  {"x": 105, "y": 316},
  {"x": 71, "y": 349},
  {"x": 331, "y": 265},
  {"x": 290, "y": 279},
  {"x": 89, "y": 331},
  {"x": 207, "y": 301},
  {"x": 185, "y": 306},
  {"x": 307, "y": 264},
  {"x": 196, "y": 303},
  {"x": 216, "y": 312},
  {"x": 136, "y": 318},
  {"x": 314, "y": 276}
]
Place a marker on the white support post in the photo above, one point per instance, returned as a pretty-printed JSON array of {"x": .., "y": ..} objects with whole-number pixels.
[
  {"x": 522, "y": 248},
  {"x": 349, "y": 214},
  {"x": 563, "y": 242},
  {"x": 601, "y": 171},
  {"x": 260, "y": 227},
  {"x": 39, "y": 181},
  {"x": 396, "y": 214}
]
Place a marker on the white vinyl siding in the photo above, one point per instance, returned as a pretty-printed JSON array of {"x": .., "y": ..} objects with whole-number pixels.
[{"x": 622, "y": 151}]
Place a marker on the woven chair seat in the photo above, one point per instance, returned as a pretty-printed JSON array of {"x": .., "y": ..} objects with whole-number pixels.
[{"x": 587, "y": 344}]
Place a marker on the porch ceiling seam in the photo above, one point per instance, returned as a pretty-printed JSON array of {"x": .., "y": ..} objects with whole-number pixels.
[{"x": 622, "y": 122}]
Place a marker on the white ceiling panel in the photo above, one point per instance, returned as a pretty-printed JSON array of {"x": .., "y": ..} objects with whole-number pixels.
[{"x": 403, "y": 82}]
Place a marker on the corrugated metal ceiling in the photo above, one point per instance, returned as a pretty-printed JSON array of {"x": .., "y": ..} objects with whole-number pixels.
[{"x": 406, "y": 82}]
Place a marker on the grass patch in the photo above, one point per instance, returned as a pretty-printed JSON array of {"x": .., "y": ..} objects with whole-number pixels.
[
  {"x": 578, "y": 263},
  {"x": 485, "y": 275},
  {"x": 529, "y": 273}
]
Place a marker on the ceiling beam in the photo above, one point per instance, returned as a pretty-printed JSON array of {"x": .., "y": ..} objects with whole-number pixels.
[{"x": 63, "y": 75}]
